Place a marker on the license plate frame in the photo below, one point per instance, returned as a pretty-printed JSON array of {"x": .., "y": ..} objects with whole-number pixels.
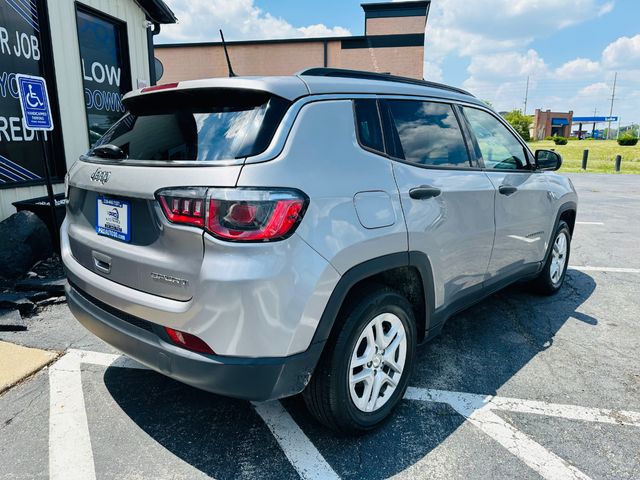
[{"x": 113, "y": 218}]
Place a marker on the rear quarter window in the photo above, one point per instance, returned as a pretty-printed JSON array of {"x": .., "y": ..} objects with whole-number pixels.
[{"x": 368, "y": 124}]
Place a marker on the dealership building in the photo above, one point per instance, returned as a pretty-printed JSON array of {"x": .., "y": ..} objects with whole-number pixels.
[
  {"x": 91, "y": 52},
  {"x": 393, "y": 42}
]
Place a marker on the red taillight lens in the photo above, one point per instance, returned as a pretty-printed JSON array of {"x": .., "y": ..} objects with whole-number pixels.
[
  {"x": 245, "y": 215},
  {"x": 188, "y": 341},
  {"x": 184, "y": 205}
]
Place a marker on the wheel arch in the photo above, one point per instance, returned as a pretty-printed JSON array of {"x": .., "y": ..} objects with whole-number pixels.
[
  {"x": 408, "y": 273},
  {"x": 567, "y": 212}
]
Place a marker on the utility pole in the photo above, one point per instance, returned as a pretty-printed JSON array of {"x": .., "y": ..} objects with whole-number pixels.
[
  {"x": 613, "y": 96},
  {"x": 526, "y": 96}
]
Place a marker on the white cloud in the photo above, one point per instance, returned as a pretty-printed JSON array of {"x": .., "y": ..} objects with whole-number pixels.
[
  {"x": 432, "y": 72},
  {"x": 469, "y": 28},
  {"x": 507, "y": 65},
  {"x": 199, "y": 21},
  {"x": 578, "y": 68},
  {"x": 599, "y": 89},
  {"x": 624, "y": 52}
]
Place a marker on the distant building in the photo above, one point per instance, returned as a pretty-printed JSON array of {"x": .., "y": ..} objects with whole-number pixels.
[
  {"x": 393, "y": 42},
  {"x": 548, "y": 124}
]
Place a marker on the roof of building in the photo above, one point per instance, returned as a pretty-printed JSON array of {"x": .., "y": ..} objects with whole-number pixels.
[
  {"x": 157, "y": 11},
  {"x": 396, "y": 9},
  {"x": 350, "y": 41}
]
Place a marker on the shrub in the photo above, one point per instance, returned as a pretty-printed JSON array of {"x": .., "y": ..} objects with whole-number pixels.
[
  {"x": 520, "y": 123},
  {"x": 550, "y": 138},
  {"x": 628, "y": 139},
  {"x": 572, "y": 138},
  {"x": 560, "y": 140}
]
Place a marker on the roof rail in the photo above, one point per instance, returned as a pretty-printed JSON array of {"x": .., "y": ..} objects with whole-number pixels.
[{"x": 345, "y": 73}]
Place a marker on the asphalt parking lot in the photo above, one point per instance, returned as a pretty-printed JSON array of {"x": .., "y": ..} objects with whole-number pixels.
[{"x": 519, "y": 386}]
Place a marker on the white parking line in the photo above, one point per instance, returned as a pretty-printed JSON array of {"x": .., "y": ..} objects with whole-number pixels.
[
  {"x": 585, "y": 268},
  {"x": 70, "y": 453},
  {"x": 478, "y": 410},
  {"x": 71, "y": 456},
  {"x": 589, "y": 223},
  {"x": 302, "y": 454}
]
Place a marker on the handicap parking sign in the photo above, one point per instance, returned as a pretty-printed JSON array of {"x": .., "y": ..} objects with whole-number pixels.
[{"x": 34, "y": 101}]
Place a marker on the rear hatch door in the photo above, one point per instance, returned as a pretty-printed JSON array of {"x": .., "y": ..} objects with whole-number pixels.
[{"x": 180, "y": 140}]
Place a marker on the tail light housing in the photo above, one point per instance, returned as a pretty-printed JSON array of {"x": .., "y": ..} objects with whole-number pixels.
[{"x": 236, "y": 214}]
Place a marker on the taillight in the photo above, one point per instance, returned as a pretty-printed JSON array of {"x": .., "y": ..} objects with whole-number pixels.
[
  {"x": 236, "y": 214},
  {"x": 188, "y": 341},
  {"x": 184, "y": 205}
]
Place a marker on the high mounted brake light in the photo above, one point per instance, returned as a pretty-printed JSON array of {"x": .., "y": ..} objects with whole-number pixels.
[
  {"x": 162, "y": 86},
  {"x": 236, "y": 214}
]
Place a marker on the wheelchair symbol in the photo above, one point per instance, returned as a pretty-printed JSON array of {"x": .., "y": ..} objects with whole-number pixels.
[{"x": 32, "y": 98}]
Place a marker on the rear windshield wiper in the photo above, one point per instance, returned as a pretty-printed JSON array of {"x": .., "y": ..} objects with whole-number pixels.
[{"x": 112, "y": 152}]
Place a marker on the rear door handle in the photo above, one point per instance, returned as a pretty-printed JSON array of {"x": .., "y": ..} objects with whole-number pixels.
[
  {"x": 424, "y": 191},
  {"x": 102, "y": 262},
  {"x": 507, "y": 190}
]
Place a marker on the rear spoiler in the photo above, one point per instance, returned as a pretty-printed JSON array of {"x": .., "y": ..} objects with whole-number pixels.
[{"x": 287, "y": 87}]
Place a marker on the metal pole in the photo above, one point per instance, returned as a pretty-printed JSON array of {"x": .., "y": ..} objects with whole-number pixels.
[
  {"x": 52, "y": 198},
  {"x": 585, "y": 156},
  {"x": 613, "y": 96},
  {"x": 618, "y": 162},
  {"x": 526, "y": 96}
]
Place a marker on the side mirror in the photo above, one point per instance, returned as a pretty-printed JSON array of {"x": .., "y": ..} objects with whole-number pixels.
[{"x": 548, "y": 160}]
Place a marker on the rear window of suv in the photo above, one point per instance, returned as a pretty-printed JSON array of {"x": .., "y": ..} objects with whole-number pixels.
[{"x": 197, "y": 125}]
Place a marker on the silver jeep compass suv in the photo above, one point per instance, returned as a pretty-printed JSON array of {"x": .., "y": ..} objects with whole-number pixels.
[{"x": 261, "y": 237}]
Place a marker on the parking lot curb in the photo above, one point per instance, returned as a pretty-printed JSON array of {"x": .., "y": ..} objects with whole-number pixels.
[{"x": 18, "y": 362}]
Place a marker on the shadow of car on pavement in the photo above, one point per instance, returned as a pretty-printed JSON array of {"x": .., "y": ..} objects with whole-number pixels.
[{"x": 478, "y": 351}]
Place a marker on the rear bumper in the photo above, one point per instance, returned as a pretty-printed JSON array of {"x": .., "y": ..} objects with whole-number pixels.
[{"x": 257, "y": 379}]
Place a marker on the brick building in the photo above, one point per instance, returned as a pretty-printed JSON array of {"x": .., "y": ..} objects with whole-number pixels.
[
  {"x": 548, "y": 123},
  {"x": 393, "y": 42}
]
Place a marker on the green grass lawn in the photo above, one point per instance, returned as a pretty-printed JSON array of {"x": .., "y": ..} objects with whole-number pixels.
[{"x": 601, "y": 155}]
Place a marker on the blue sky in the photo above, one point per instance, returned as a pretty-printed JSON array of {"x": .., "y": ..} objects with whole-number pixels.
[{"x": 570, "y": 52}]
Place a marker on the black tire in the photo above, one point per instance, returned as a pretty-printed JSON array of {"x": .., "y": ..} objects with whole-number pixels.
[
  {"x": 544, "y": 283},
  {"x": 328, "y": 396}
]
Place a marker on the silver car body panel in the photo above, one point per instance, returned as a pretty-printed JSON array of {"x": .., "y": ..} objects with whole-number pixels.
[
  {"x": 266, "y": 300},
  {"x": 323, "y": 144}
]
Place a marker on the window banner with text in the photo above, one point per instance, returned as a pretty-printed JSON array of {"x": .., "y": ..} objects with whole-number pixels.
[{"x": 21, "y": 52}]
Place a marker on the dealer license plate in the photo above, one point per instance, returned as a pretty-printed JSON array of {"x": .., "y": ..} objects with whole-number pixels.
[{"x": 114, "y": 218}]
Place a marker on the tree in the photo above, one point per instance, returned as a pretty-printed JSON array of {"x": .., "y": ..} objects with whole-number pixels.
[{"x": 520, "y": 122}]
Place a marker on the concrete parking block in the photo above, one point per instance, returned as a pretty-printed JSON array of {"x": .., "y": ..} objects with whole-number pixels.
[{"x": 17, "y": 362}]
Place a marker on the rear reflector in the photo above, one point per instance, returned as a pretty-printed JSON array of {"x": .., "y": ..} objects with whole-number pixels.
[
  {"x": 188, "y": 341},
  {"x": 236, "y": 214}
]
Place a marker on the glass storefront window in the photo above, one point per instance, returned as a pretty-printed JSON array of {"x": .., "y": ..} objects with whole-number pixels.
[{"x": 106, "y": 76}]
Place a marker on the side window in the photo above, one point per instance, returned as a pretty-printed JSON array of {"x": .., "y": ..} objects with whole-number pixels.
[
  {"x": 428, "y": 133},
  {"x": 368, "y": 124},
  {"x": 499, "y": 148}
]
